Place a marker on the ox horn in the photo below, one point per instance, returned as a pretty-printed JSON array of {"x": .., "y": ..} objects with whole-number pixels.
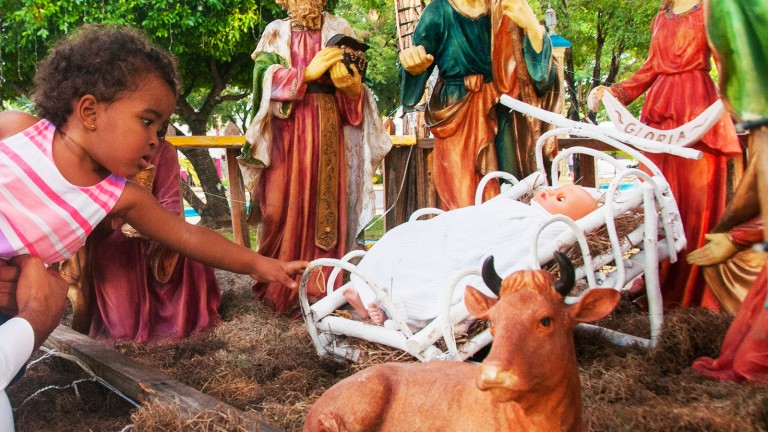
[
  {"x": 490, "y": 277},
  {"x": 564, "y": 285}
]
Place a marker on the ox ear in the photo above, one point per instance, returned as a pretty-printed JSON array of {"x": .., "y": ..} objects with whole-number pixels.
[
  {"x": 594, "y": 304},
  {"x": 478, "y": 303}
]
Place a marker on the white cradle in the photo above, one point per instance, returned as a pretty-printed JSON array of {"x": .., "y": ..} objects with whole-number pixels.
[{"x": 659, "y": 237}]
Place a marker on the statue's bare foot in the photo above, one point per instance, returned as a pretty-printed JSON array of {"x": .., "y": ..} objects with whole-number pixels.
[{"x": 377, "y": 315}]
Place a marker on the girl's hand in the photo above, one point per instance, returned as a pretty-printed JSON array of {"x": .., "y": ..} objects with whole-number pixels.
[
  {"x": 272, "y": 270},
  {"x": 415, "y": 59},
  {"x": 350, "y": 84},
  {"x": 321, "y": 62}
]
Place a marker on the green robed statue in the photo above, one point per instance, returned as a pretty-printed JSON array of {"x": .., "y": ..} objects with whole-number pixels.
[{"x": 476, "y": 45}]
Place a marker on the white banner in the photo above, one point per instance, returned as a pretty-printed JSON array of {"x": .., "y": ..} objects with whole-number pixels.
[
  {"x": 638, "y": 142},
  {"x": 682, "y": 136}
]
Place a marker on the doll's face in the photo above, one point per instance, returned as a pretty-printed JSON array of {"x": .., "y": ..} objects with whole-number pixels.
[{"x": 568, "y": 200}]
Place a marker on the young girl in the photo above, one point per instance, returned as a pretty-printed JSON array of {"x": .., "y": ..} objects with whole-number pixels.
[{"x": 105, "y": 95}]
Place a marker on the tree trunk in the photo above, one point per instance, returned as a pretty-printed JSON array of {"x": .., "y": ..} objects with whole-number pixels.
[
  {"x": 214, "y": 212},
  {"x": 573, "y": 95},
  {"x": 600, "y": 42},
  {"x": 613, "y": 71},
  {"x": 214, "y": 207}
]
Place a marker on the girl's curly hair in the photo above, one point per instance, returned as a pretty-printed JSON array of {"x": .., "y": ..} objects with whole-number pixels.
[{"x": 103, "y": 60}]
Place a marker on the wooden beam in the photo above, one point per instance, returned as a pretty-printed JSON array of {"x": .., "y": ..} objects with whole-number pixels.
[
  {"x": 235, "y": 142},
  {"x": 403, "y": 140},
  {"x": 139, "y": 382},
  {"x": 408, "y": 166},
  {"x": 240, "y": 232},
  {"x": 232, "y": 141}
]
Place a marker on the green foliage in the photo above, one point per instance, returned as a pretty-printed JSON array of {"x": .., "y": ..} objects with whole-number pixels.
[
  {"x": 602, "y": 31},
  {"x": 213, "y": 40},
  {"x": 375, "y": 230},
  {"x": 207, "y": 36},
  {"x": 378, "y": 178},
  {"x": 374, "y": 23}
]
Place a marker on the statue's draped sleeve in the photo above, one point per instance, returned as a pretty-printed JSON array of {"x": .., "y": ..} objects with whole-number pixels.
[
  {"x": 738, "y": 33},
  {"x": 540, "y": 65}
]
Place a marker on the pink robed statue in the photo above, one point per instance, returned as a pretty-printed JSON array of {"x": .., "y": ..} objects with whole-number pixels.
[
  {"x": 313, "y": 146},
  {"x": 142, "y": 291}
]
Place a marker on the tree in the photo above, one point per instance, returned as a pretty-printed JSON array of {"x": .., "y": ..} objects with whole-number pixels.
[
  {"x": 212, "y": 39},
  {"x": 610, "y": 42},
  {"x": 374, "y": 23}
]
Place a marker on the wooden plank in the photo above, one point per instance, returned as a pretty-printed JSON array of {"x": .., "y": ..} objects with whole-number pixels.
[
  {"x": 140, "y": 382},
  {"x": 403, "y": 140},
  {"x": 240, "y": 231},
  {"x": 426, "y": 195},
  {"x": 234, "y": 142},
  {"x": 394, "y": 174},
  {"x": 237, "y": 200},
  {"x": 418, "y": 189},
  {"x": 426, "y": 143}
]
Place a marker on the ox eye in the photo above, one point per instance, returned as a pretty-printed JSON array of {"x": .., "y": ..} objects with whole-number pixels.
[{"x": 546, "y": 322}]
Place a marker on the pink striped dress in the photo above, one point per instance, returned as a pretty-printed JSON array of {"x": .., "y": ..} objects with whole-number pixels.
[{"x": 41, "y": 213}]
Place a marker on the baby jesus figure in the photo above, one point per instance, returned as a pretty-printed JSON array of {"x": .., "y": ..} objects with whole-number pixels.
[{"x": 417, "y": 261}]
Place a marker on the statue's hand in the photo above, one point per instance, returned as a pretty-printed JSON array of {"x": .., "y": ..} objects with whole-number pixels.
[
  {"x": 415, "y": 59},
  {"x": 718, "y": 249},
  {"x": 596, "y": 95},
  {"x": 321, "y": 62},
  {"x": 350, "y": 84},
  {"x": 520, "y": 13}
]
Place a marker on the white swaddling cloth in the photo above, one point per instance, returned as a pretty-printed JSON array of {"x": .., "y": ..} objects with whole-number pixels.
[{"x": 417, "y": 261}]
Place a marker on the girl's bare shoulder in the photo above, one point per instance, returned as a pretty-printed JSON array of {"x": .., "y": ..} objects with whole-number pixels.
[{"x": 13, "y": 122}]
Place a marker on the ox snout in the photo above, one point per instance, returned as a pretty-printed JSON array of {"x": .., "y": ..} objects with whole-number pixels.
[
  {"x": 490, "y": 376},
  {"x": 494, "y": 377}
]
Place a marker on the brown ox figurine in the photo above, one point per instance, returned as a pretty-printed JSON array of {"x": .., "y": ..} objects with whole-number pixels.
[{"x": 528, "y": 382}]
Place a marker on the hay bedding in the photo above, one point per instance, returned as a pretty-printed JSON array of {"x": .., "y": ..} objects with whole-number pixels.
[{"x": 260, "y": 362}]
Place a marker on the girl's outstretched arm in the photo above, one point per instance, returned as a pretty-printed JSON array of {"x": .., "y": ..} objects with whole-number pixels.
[{"x": 140, "y": 209}]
